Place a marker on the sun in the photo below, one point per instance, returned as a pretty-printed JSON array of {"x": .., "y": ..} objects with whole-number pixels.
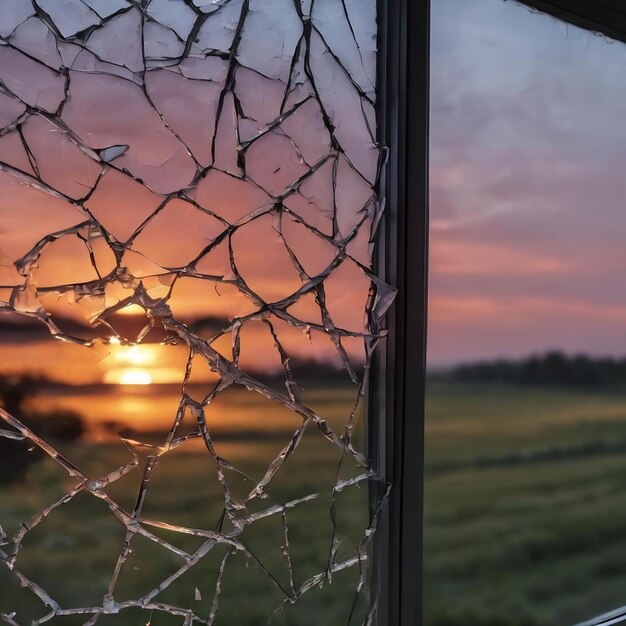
[
  {"x": 134, "y": 377},
  {"x": 135, "y": 355}
]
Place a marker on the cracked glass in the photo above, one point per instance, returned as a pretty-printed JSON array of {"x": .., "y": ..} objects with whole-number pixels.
[{"x": 188, "y": 311}]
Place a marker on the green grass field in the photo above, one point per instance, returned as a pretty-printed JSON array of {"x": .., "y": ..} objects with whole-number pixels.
[
  {"x": 73, "y": 552},
  {"x": 525, "y": 506},
  {"x": 525, "y": 520}
]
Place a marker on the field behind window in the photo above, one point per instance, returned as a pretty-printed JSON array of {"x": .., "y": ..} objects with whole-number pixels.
[
  {"x": 525, "y": 518},
  {"x": 525, "y": 521}
]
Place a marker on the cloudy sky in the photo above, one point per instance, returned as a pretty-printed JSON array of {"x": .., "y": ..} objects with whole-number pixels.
[{"x": 528, "y": 185}]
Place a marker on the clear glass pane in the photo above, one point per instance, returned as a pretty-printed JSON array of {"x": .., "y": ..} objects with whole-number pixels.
[
  {"x": 526, "y": 407},
  {"x": 187, "y": 311}
]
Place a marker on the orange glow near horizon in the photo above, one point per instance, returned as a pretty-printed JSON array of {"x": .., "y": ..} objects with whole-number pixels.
[
  {"x": 142, "y": 364},
  {"x": 142, "y": 354},
  {"x": 132, "y": 309},
  {"x": 128, "y": 377}
]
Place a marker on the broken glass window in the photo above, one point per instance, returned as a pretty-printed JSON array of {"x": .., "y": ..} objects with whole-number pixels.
[{"x": 188, "y": 311}]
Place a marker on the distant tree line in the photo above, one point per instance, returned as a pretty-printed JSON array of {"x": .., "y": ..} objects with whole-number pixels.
[
  {"x": 311, "y": 372},
  {"x": 60, "y": 425},
  {"x": 553, "y": 369}
]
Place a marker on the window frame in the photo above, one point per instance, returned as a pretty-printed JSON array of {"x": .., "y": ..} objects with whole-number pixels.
[
  {"x": 399, "y": 369},
  {"x": 607, "y": 17}
]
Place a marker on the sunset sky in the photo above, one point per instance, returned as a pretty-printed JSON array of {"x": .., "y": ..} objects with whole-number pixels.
[
  {"x": 528, "y": 155},
  {"x": 168, "y": 183},
  {"x": 528, "y": 185}
]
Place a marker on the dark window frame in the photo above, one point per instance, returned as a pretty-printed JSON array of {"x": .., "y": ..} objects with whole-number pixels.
[
  {"x": 603, "y": 16},
  {"x": 402, "y": 257}
]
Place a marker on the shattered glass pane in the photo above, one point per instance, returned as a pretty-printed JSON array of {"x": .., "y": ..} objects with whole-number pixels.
[{"x": 188, "y": 310}]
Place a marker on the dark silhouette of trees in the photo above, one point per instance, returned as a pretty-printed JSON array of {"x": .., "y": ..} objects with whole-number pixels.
[
  {"x": 63, "y": 425},
  {"x": 14, "y": 390},
  {"x": 553, "y": 369}
]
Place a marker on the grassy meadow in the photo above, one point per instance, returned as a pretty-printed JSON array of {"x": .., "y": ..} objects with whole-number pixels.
[
  {"x": 525, "y": 519},
  {"x": 73, "y": 552}
]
